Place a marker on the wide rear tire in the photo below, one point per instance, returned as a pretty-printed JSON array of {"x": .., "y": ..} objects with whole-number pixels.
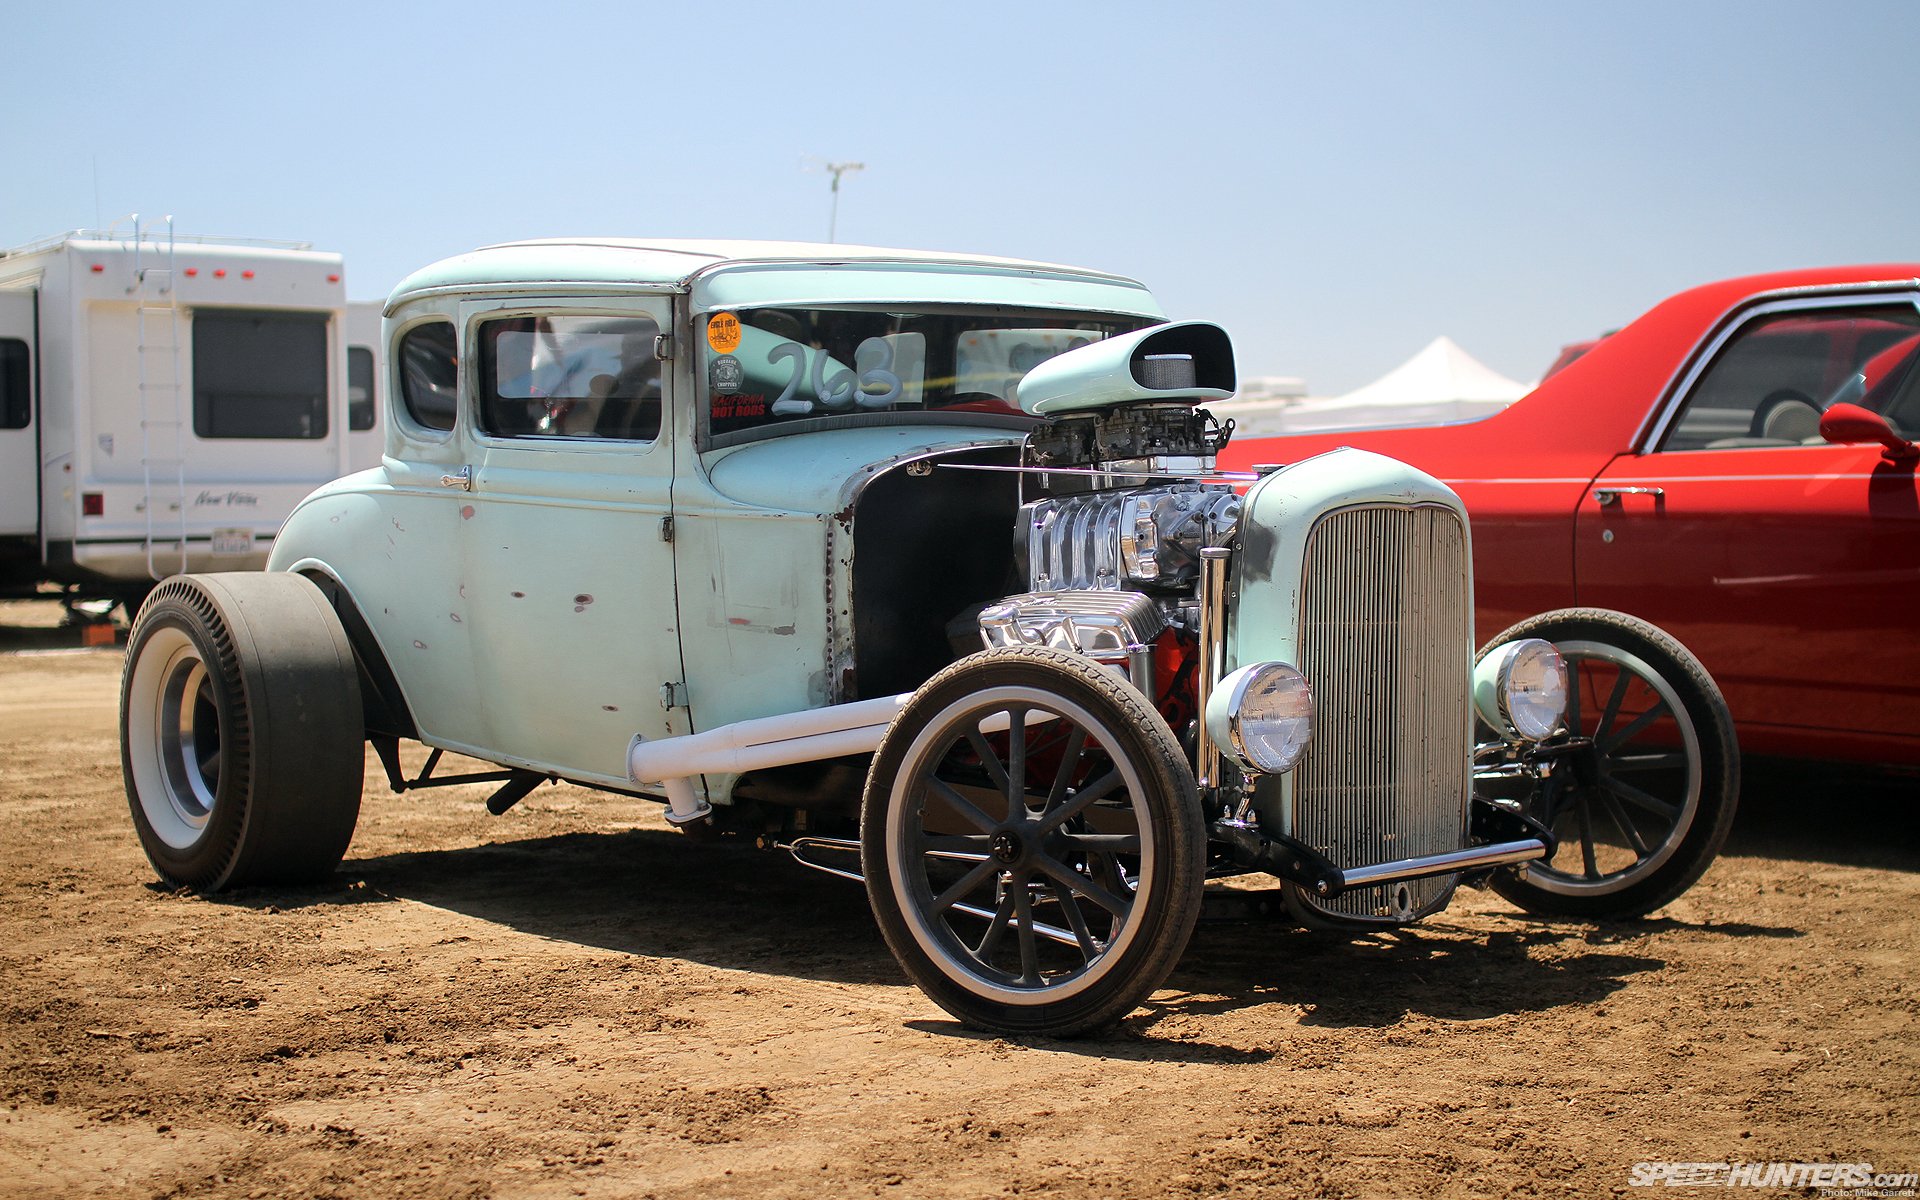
[{"x": 241, "y": 731}]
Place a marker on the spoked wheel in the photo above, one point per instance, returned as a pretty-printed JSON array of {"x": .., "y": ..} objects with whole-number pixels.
[
  {"x": 241, "y": 730},
  {"x": 1644, "y": 797},
  {"x": 1032, "y": 843}
]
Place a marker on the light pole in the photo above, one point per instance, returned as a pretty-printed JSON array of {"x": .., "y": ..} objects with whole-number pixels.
[{"x": 837, "y": 170}]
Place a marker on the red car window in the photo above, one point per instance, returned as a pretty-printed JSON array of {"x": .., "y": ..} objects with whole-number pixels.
[
  {"x": 1889, "y": 382},
  {"x": 1770, "y": 383}
]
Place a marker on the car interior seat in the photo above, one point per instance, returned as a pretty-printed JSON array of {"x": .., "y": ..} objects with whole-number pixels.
[{"x": 1786, "y": 417}]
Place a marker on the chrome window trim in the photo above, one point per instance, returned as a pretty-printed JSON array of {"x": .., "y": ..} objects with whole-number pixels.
[{"x": 1659, "y": 420}]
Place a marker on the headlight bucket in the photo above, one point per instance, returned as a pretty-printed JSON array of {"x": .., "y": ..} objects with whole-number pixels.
[
  {"x": 1262, "y": 715},
  {"x": 1520, "y": 689}
]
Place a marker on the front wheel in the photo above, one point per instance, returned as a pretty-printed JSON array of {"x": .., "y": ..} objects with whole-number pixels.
[
  {"x": 1645, "y": 795},
  {"x": 241, "y": 731},
  {"x": 1032, "y": 843}
]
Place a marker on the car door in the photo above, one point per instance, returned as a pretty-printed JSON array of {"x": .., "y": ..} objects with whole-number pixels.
[
  {"x": 1787, "y": 564},
  {"x": 568, "y": 578},
  {"x": 19, "y": 466}
]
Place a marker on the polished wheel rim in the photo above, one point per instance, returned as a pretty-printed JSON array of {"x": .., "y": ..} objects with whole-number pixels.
[
  {"x": 174, "y": 743},
  {"x": 1623, "y": 801},
  {"x": 1019, "y": 843}
]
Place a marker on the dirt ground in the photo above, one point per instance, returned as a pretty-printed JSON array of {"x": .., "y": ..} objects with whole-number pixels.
[{"x": 574, "y": 1000}]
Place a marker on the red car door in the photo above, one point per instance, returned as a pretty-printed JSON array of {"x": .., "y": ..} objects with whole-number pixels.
[{"x": 1788, "y": 565}]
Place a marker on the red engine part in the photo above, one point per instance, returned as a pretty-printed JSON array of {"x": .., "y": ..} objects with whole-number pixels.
[{"x": 1176, "y": 659}]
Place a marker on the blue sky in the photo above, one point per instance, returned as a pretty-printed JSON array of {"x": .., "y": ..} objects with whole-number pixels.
[{"x": 1336, "y": 183}]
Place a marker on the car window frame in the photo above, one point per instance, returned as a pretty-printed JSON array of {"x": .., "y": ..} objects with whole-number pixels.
[
  {"x": 477, "y": 311},
  {"x": 705, "y": 440},
  {"x": 1661, "y": 418},
  {"x": 398, "y": 406}
]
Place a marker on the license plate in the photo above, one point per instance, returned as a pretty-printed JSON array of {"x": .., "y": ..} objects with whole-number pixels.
[{"x": 233, "y": 541}]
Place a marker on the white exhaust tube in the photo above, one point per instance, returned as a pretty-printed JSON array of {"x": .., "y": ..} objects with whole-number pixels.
[{"x": 831, "y": 732}]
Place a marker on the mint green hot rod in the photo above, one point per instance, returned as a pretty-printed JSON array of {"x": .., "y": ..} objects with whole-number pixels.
[{"x": 920, "y": 567}]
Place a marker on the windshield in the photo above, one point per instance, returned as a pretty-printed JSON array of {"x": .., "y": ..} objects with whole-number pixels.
[{"x": 774, "y": 370}]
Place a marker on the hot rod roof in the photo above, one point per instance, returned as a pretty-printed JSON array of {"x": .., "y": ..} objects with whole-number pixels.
[{"x": 669, "y": 264}]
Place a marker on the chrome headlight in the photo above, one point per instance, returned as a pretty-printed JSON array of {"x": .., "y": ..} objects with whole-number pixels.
[
  {"x": 1263, "y": 716},
  {"x": 1521, "y": 689}
]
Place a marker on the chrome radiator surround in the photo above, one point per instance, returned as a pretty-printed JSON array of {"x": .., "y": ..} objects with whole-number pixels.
[{"x": 1385, "y": 636}]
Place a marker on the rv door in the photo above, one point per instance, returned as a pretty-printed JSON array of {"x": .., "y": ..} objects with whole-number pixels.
[{"x": 19, "y": 455}]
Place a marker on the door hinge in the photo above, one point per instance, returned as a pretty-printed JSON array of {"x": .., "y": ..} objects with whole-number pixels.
[
  {"x": 673, "y": 695},
  {"x": 663, "y": 346},
  {"x": 666, "y": 529}
]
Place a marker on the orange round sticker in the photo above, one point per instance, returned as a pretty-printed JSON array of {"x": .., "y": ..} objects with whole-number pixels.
[{"x": 723, "y": 333}]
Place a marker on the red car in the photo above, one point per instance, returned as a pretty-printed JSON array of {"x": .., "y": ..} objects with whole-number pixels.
[{"x": 1734, "y": 467}]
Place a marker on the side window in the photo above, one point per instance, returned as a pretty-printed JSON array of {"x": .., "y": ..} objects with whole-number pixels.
[
  {"x": 429, "y": 373},
  {"x": 16, "y": 385},
  {"x": 259, "y": 374},
  {"x": 359, "y": 388},
  {"x": 1770, "y": 383},
  {"x": 570, "y": 376}
]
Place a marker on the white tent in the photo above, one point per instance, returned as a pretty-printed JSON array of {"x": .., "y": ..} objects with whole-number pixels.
[{"x": 1442, "y": 384}]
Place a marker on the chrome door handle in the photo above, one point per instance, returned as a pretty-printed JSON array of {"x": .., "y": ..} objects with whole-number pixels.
[
  {"x": 462, "y": 479},
  {"x": 1604, "y": 496}
]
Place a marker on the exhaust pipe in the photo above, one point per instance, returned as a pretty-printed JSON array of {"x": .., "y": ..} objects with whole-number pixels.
[{"x": 831, "y": 732}]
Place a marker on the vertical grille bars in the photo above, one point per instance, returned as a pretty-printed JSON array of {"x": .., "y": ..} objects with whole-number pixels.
[{"x": 1386, "y": 642}]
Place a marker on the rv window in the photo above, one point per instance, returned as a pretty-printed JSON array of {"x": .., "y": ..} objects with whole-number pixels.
[
  {"x": 359, "y": 388},
  {"x": 570, "y": 376},
  {"x": 429, "y": 371},
  {"x": 16, "y": 385},
  {"x": 259, "y": 374}
]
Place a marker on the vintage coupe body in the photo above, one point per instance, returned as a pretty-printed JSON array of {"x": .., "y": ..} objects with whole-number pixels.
[
  {"x": 920, "y": 567},
  {"x": 1735, "y": 466}
]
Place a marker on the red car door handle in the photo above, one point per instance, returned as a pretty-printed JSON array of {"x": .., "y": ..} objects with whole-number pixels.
[{"x": 1611, "y": 495}]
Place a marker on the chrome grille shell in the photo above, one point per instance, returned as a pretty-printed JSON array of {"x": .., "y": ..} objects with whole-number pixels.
[
  {"x": 1357, "y": 568},
  {"x": 1385, "y": 636}
]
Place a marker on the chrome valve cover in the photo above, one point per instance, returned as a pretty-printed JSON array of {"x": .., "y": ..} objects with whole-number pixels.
[
  {"x": 1103, "y": 626},
  {"x": 1112, "y": 627}
]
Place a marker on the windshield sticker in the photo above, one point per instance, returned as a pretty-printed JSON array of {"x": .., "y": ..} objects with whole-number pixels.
[
  {"x": 729, "y": 407},
  {"x": 723, "y": 332},
  {"x": 725, "y": 375}
]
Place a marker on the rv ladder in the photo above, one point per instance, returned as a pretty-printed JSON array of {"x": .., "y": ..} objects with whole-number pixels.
[{"x": 163, "y": 457}]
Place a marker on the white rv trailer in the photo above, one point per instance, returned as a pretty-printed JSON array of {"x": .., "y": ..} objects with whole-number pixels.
[
  {"x": 165, "y": 402},
  {"x": 366, "y": 384}
]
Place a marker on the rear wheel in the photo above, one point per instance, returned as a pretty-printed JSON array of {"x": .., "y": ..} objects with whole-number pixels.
[
  {"x": 1032, "y": 843},
  {"x": 241, "y": 731},
  {"x": 1646, "y": 797}
]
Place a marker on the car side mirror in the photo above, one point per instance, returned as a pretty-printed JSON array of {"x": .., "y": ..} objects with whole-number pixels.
[{"x": 1849, "y": 424}]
